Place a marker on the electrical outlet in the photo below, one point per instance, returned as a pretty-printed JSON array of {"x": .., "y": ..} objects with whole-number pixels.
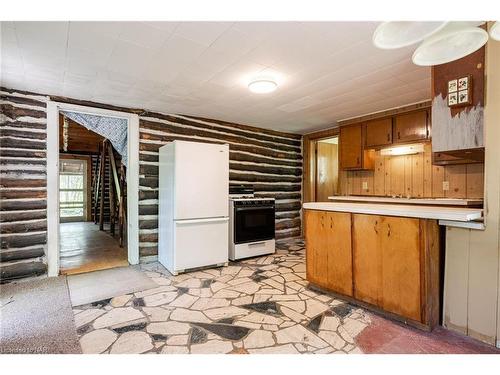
[
  {"x": 365, "y": 185},
  {"x": 446, "y": 185}
]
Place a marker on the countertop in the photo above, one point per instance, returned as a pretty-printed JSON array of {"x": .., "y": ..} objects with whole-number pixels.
[
  {"x": 402, "y": 210},
  {"x": 426, "y": 201}
]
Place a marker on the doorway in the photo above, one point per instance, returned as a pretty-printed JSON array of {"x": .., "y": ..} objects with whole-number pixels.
[
  {"x": 92, "y": 199},
  {"x": 327, "y": 169},
  {"x": 74, "y": 236}
]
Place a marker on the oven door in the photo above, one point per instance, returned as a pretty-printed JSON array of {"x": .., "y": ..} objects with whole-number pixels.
[{"x": 253, "y": 224}]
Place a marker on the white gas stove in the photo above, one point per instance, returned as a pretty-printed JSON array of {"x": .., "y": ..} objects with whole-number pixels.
[{"x": 251, "y": 224}]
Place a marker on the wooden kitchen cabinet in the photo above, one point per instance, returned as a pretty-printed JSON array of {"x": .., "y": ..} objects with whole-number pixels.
[
  {"x": 367, "y": 258},
  {"x": 395, "y": 262},
  {"x": 378, "y": 132},
  {"x": 411, "y": 127},
  {"x": 329, "y": 254},
  {"x": 352, "y": 152}
]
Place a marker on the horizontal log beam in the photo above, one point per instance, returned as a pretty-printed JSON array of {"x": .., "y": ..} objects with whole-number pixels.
[
  {"x": 236, "y": 129},
  {"x": 9, "y": 241},
  {"x": 20, "y": 254},
  {"x": 6, "y": 217},
  {"x": 198, "y": 132},
  {"x": 20, "y": 182},
  {"x": 20, "y": 270}
]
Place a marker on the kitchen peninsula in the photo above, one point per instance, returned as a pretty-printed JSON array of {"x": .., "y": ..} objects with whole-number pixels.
[{"x": 386, "y": 257}]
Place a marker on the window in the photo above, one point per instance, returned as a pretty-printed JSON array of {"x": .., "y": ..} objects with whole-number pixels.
[{"x": 72, "y": 189}]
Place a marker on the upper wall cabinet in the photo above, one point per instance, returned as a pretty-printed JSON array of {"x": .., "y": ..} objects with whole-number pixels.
[
  {"x": 352, "y": 152},
  {"x": 458, "y": 130},
  {"x": 378, "y": 132},
  {"x": 411, "y": 127}
]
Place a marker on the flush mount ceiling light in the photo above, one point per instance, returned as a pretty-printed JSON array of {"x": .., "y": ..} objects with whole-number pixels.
[
  {"x": 402, "y": 150},
  {"x": 391, "y": 35},
  {"x": 262, "y": 86},
  {"x": 495, "y": 31},
  {"x": 453, "y": 42}
]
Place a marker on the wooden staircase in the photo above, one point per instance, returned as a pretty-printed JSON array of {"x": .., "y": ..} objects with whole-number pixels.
[{"x": 117, "y": 191}]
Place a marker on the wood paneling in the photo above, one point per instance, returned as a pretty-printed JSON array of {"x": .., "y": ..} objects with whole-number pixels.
[
  {"x": 327, "y": 172},
  {"x": 80, "y": 139},
  {"x": 417, "y": 177}
]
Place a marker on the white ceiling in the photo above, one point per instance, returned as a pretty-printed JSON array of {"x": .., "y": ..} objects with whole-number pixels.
[{"x": 326, "y": 71}]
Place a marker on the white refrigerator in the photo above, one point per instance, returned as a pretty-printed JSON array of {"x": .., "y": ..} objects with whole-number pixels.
[{"x": 193, "y": 210}]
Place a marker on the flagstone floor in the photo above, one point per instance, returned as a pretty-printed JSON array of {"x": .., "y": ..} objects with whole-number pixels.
[{"x": 259, "y": 305}]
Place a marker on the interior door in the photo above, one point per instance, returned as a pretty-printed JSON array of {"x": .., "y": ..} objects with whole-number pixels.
[
  {"x": 201, "y": 180},
  {"x": 327, "y": 172}
]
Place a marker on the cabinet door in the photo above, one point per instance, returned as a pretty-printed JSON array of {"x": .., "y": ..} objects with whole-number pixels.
[
  {"x": 379, "y": 132},
  {"x": 351, "y": 147},
  {"x": 339, "y": 252},
  {"x": 367, "y": 254},
  {"x": 401, "y": 278},
  {"x": 410, "y": 127},
  {"x": 316, "y": 239}
]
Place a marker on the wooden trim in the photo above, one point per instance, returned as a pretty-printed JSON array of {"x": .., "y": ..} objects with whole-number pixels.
[
  {"x": 309, "y": 142},
  {"x": 387, "y": 113},
  {"x": 88, "y": 187}
]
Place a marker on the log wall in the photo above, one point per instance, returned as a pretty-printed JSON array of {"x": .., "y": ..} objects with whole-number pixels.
[
  {"x": 269, "y": 160},
  {"x": 23, "y": 194}
]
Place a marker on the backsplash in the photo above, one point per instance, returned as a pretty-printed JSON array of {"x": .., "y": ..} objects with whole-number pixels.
[{"x": 414, "y": 176}]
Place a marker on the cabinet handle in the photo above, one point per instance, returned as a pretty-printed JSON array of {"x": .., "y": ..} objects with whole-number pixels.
[
  {"x": 388, "y": 137},
  {"x": 357, "y": 160},
  {"x": 399, "y": 135}
]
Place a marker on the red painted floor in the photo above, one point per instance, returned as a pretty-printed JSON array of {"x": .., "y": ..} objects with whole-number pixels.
[{"x": 386, "y": 337}]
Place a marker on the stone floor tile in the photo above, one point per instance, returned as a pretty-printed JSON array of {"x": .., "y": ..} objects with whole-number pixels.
[
  {"x": 156, "y": 314},
  {"x": 150, "y": 292},
  {"x": 185, "y": 315},
  {"x": 333, "y": 339},
  {"x": 210, "y": 303},
  {"x": 212, "y": 347},
  {"x": 225, "y": 312},
  {"x": 184, "y": 300},
  {"x": 117, "y": 316},
  {"x": 97, "y": 341},
  {"x": 330, "y": 323},
  {"x": 280, "y": 349},
  {"x": 177, "y": 340},
  {"x": 299, "y": 334},
  {"x": 168, "y": 349},
  {"x": 133, "y": 342},
  {"x": 168, "y": 328},
  {"x": 258, "y": 339},
  {"x": 120, "y": 300},
  {"x": 86, "y": 316},
  {"x": 159, "y": 299}
]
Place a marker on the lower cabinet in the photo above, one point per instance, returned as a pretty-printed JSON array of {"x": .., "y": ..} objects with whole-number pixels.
[
  {"x": 387, "y": 263},
  {"x": 390, "y": 263},
  {"x": 329, "y": 252}
]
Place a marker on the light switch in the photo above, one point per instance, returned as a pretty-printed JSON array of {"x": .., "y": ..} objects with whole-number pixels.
[
  {"x": 365, "y": 185},
  {"x": 446, "y": 185}
]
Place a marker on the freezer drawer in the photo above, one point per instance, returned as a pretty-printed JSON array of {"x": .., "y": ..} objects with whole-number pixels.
[{"x": 200, "y": 243}]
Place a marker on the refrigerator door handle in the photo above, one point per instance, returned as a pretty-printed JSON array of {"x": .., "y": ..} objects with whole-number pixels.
[{"x": 195, "y": 221}]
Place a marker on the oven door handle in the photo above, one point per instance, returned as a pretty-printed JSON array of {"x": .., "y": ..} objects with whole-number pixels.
[{"x": 253, "y": 208}]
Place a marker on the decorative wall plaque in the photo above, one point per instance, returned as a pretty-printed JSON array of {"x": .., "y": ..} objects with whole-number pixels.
[{"x": 460, "y": 91}]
